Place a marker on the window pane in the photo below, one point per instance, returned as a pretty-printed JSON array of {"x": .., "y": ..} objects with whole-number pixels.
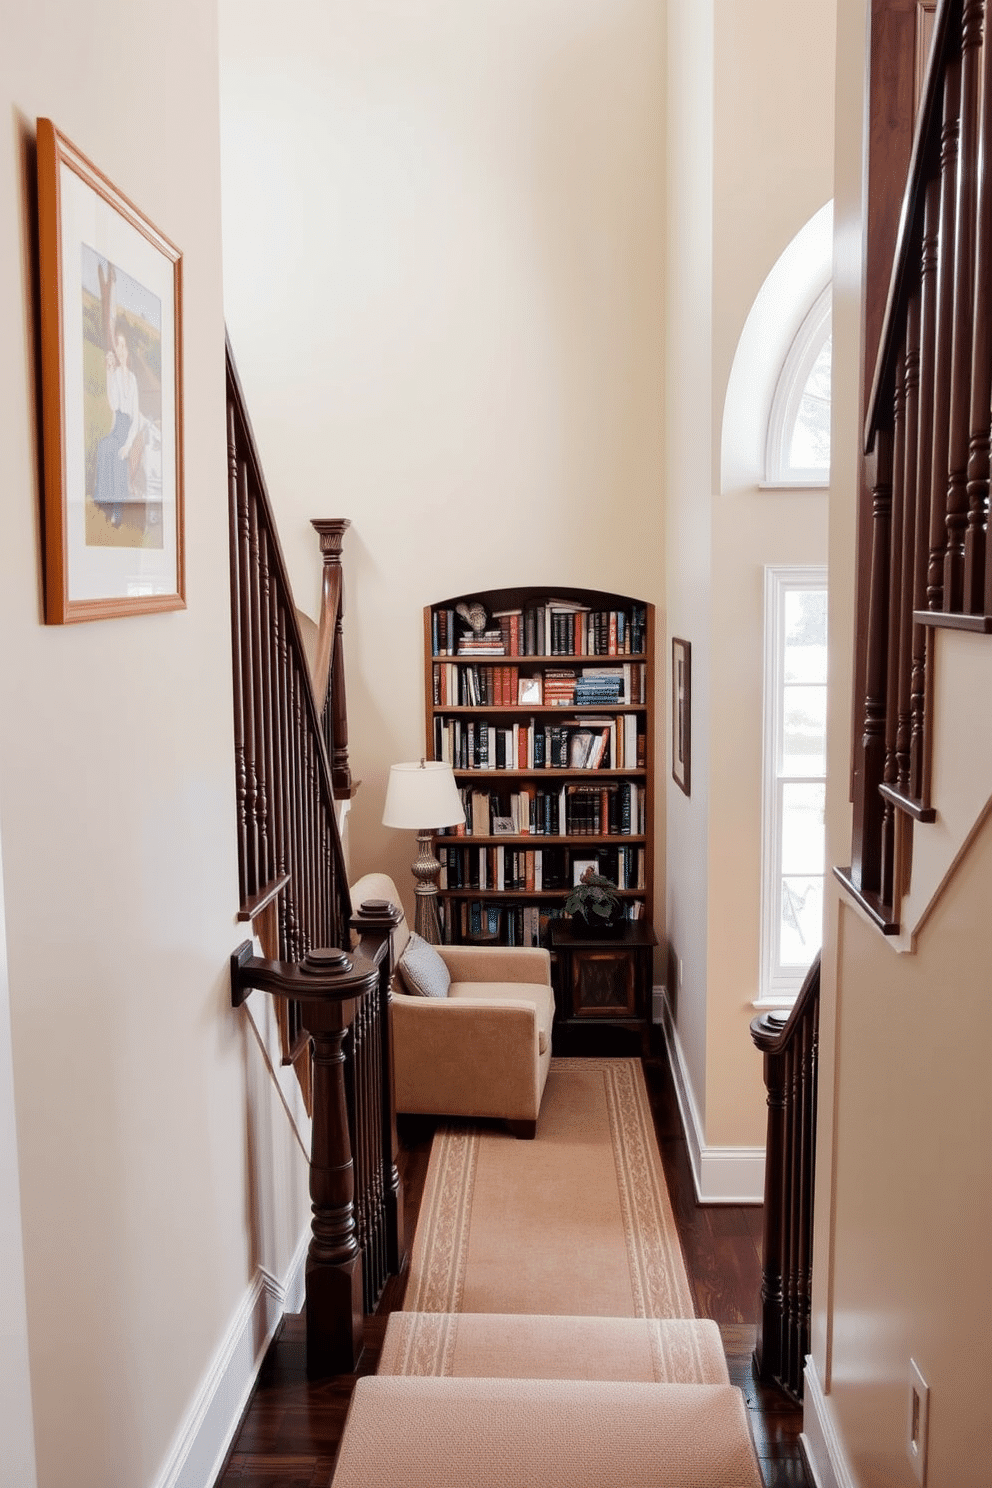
[
  {"x": 810, "y": 446},
  {"x": 801, "y": 928},
  {"x": 804, "y": 731},
  {"x": 802, "y": 829},
  {"x": 805, "y": 635}
]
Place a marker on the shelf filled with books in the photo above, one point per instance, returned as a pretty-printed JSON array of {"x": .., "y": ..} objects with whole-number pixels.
[{"x": 543, "y": 705}]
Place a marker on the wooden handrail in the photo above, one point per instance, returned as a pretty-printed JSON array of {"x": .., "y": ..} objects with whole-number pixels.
[
  {"x": 294, "y": 891},
  {"x": 927, "y": 456},
  {"x": 285, "y": 794},
  {"x": 790, "y": 1069},
  {"x": 926, "y": 139}
]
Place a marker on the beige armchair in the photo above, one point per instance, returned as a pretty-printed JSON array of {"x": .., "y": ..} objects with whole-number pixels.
[{"x": 485, "y": 1048}]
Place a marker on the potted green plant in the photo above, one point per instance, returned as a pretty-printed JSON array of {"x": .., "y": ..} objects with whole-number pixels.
[{"x": 596, "y": 901}]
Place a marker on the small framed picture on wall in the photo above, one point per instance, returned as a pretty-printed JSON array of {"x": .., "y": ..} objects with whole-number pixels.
[
  {"x": 111, "y": 361},
  {"x": 681, "y": 713}
]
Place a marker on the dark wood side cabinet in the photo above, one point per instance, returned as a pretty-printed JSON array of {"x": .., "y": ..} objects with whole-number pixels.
[{"x": 604, "y": 982}]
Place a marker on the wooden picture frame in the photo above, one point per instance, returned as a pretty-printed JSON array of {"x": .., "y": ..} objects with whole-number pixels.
[
  {"x": 681, "y": 714},
  {"x": 111, "y": 365}
]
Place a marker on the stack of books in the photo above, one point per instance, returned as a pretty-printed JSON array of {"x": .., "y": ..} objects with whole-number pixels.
[
  {"x": 600, "y": 685},
  {"x": 559, "y": 687},
  {"x": 484, "y": 643}
]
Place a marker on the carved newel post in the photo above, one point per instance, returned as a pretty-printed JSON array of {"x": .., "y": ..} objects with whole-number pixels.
[
  {"x": 330, "y": 649},
  {"x": 766, "y": 1031},
  {"x": 329, "y": 985}
]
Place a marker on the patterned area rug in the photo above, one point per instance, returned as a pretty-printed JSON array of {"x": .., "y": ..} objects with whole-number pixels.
[{"x": 577, "y": 1221}]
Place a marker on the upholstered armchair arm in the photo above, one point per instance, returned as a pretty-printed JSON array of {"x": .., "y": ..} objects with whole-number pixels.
[
  {"x": 497, "y": 963},
  {"x": 470, "y": 1055}
]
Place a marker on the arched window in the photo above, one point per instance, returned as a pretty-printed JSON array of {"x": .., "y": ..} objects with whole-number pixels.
[{"x": 797, "y": 451}]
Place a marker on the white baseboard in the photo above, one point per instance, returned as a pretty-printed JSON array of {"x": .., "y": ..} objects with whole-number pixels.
[
  {"x": 722, "y": 1175},
  {"x": 204, "y": 1437},
  {"x": 821, "y": 1443}
]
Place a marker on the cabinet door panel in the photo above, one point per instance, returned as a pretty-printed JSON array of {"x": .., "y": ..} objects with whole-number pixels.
[{"x": 604, "y": 984}]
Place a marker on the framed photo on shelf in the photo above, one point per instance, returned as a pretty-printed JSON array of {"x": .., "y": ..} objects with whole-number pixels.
[
  {"x": 681, "y": 713},
  {"x": 580, "y": 866},
  {"x": 529, "y": 692},
  {"x": 503, "y": 826},
  {"x": 111, "y": 363}
]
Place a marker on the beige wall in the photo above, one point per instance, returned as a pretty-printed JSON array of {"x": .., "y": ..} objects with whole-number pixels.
[
  {"x": 444, "y": 282},
  {"x": 903, "y": 1189},
  {"x": 751, "y": 160},
  {"x": 912, "y": 1199},
  {"x": 688, "y": 509},
  {"x": 143, "y": 1217}
]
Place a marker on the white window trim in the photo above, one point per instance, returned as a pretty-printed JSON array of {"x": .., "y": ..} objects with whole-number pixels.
[
  {"x": 789, "y": 390},
  {"x": 776, "y": 989}
]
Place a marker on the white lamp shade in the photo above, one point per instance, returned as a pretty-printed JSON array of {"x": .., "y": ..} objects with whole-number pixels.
[{"x": 422, "y": 794}]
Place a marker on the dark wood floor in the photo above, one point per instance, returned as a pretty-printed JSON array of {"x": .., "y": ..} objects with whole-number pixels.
[{"x": 289, "y": 1435}]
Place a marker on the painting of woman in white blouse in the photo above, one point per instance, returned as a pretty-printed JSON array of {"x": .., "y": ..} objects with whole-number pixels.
[{"x": 113, "y": 455}]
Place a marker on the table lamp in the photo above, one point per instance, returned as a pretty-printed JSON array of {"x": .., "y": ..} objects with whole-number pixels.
[{"x": 422, "y": 796}]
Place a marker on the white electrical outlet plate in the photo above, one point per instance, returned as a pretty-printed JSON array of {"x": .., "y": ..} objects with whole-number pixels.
[{"x": 918, "y": 1423}]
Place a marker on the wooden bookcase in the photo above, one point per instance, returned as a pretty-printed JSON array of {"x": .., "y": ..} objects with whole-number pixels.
[{"x": 548, "y": 722}]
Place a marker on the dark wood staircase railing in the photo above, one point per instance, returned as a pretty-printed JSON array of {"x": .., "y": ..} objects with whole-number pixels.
[
  {"x": 927, "y": 562},
  {"x": 790, "y": 1059},
  {"x": 292, "y": 764}
]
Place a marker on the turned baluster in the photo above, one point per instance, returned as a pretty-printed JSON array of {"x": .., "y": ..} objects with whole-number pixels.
[
  {"x": 924, "y": 465},
  {"x": 936, "y": 598},
  {"x": 890, "y": 772},
  {"x": 866, "y": 862},
  {"x": 911, "y": 427},
  {"x": 964, "y": 302},
  {"x": 375, "y": 921}
]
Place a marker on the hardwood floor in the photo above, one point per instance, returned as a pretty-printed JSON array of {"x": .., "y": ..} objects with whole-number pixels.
[{"x": 290, "y": 1431}]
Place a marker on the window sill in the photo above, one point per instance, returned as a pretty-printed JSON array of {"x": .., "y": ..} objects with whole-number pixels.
[
  {"x": 775, "y": 1001},
  {"x": 794, "y": 485}
]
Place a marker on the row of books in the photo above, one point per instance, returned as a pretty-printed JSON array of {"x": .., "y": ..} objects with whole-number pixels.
[
  {"x": 503, "y": 686},
  {"x": 556, "y": 628},
  {"x": 614, "y": 809},
  {"x": 503, "y": 868},
  {"x": 465, "y": 921},
  {"x": 609, "y": 743},
  {"x": 535, "y": 870}
]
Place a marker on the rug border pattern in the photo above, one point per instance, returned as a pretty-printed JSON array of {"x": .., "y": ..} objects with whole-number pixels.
[
  {"x": 440, "y": 1249},
  {"x": 659, "y": 1280}
]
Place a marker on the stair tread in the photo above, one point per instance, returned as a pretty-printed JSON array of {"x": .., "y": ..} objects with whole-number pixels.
[{"x": 517, "y": 1345}]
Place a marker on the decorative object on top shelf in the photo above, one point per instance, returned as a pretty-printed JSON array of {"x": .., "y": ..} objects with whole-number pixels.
[
  {"x": 475, "y": 614},
  {"x": 595, "y": 900},
  {"x": 681, "y": 701},
  {"x": 422, "y": 796}
]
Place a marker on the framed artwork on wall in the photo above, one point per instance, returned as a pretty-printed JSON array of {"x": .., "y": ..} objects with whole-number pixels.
[
  {"x": 111, "y": 364},
  {"x": 681, "y": 712}
]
